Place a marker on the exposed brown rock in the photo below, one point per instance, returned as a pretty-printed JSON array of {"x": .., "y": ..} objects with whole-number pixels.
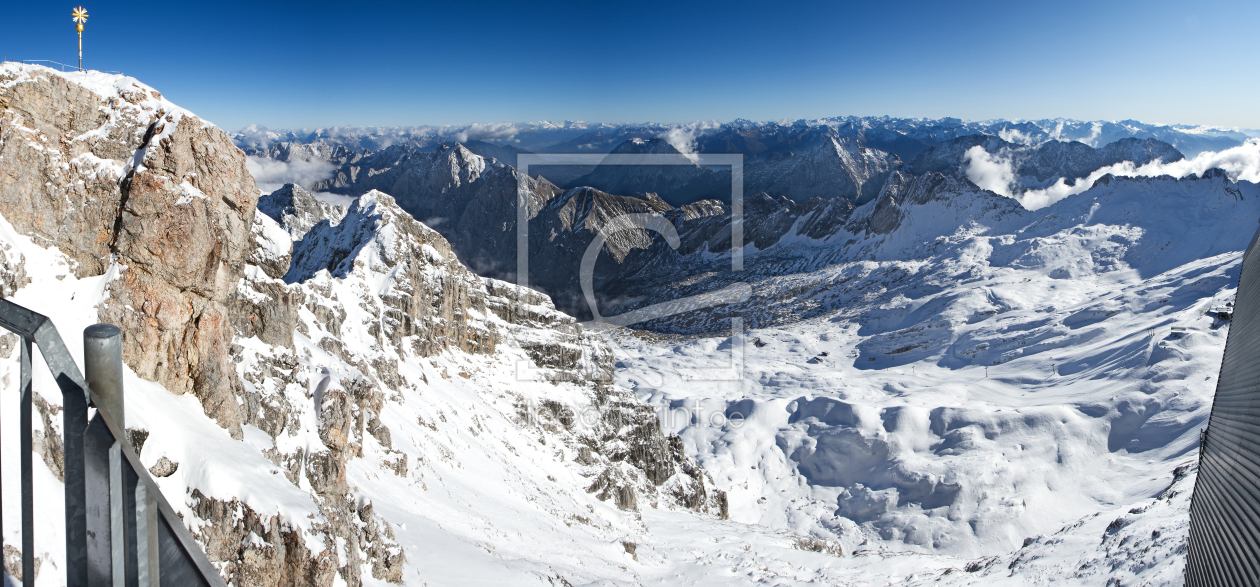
[
  {"x": 260, "y": 550},
  {"x": 133, "y": 180}
]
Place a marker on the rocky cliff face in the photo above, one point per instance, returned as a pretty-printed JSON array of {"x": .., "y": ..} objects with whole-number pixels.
[
  {"x": 833, "y": 167},
  {"x": 319, "y": 346},
  {"x": 671, "y": 182},
  {"x": 472, "y": 200},
  {"x": 120, "y": 179},
  {"x": 461, "y": 193}
]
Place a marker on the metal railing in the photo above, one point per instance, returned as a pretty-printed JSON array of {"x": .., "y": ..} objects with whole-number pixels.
[
  {"x": 120, "y": 530},
  {"x": 63, "y": 66}
]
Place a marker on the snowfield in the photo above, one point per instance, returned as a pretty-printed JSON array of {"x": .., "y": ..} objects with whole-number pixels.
[{"x": 1022, "y": 389}]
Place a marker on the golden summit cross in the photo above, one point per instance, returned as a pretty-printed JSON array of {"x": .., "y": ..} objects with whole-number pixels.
[{"x": 79, "y": 16}]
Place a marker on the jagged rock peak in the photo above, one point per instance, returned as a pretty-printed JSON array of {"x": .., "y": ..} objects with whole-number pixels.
[
  {"x": 933, "y": 204},
  {"x": 297, "y": 210}
]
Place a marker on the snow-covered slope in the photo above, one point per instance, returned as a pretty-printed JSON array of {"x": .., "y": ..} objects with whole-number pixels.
[{"x": 954, "y": 374}]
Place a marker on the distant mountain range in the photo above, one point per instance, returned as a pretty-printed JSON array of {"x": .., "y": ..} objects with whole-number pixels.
[
  {"x": 802, "y": 179},
  {"x": 904, "y": 137}
]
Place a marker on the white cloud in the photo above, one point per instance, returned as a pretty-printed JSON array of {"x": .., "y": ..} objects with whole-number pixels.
[
  {"x": 1014, "y": 135},
  {"x": 334, "y": 199},
  {"x": 1241, "y": 163},
  {"x": 997, "y": 174},
  {"x": 271, "y": 174},
  {"x": 992, "y": 173},
  {"x": 254, "y": 136},
  {"x": 494, "y": 131},
  {"x": 683, "y": 139},
  {"x": 683, "y": 136}
]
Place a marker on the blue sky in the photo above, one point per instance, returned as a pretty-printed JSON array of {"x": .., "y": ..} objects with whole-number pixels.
[{"x": 286, "y": 65}]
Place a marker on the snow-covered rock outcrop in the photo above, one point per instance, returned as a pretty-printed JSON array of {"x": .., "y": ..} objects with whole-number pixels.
[
  {"x": 119, "y": 179},
  {"x": 355, "y": 407},
  {"x": 297, "y": 210}
]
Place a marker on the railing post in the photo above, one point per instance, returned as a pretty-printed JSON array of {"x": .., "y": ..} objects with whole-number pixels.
[
  {"x": 102, "y": 368},
  {"x": 104, "y": 478},
  {"x": 74, "y": 422},
  {"x": 28, "y": 459}
]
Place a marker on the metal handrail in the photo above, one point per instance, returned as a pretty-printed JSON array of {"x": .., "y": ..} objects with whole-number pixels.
[
  {"x": 37, "y": 329},
  {"x": 62, "y": 65}
]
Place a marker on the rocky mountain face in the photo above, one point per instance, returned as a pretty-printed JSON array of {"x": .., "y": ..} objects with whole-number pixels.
[
  {"x": 288, "y": 151},
  {"x": 471, "y": 200},
  {"x": 338, "y": 154},
  {"x": 834, "y": 167},
  {"x": 503, "y": 153},
  {"x": 669, "y": 181},
  {"x": 129, "y": 182},
  {"x": 460, "y": 193},
  {"x": 820, "y": 165},
  {"x": 297, "y": 210},
  {"x": 248, "y": 309},
  {"x": 1138, "y": 151},
  {"x": 450, "y": 188}
]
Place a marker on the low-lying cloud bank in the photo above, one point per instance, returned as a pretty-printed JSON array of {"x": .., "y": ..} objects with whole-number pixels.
[
  {"x": 271, "y": 174},
  {"x": 997, "y": 174}
]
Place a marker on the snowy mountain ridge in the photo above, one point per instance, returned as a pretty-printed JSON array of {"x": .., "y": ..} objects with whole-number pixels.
[{"x": 905, "y": 137}]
